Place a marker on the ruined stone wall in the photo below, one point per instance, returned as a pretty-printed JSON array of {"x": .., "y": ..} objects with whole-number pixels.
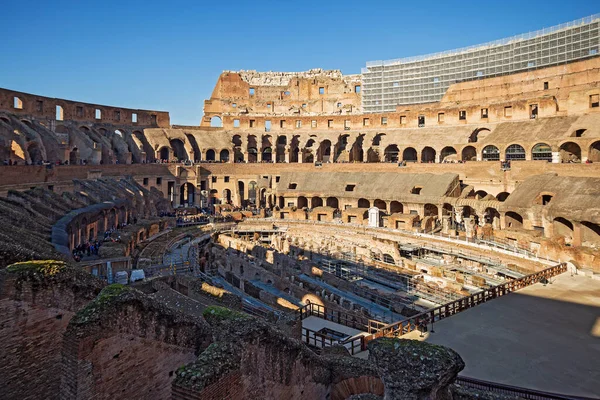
[
  {"x": 127, "y": 345},
  {"x": 44, "y": 108},
  {"x": 277, "y": 93},
  {"x": 36, "y": 305}
]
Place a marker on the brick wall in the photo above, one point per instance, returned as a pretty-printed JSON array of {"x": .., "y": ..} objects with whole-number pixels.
[
  {"x": 229, "y": 387},
  {"x": 33, "y": 317}
]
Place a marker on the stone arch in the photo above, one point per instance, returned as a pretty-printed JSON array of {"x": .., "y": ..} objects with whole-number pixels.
[
  {"x": 396, "y": 207},
  {"x": 391, "y": 153},
  {"x": 377, "y": 139},
  {"x": 163, "y": 153},
  {"x": 142, "y": 141},
  {"x": 187, "y": 194},
  {"x": 409, "y": 154},
  {"x": 252, "y": 149},
  {"x": 224, "y": 155},
  {"x": 380, "y": 204},
  {"x": 480, "y": 194},
  {"x": 563, "y": 227},
  {"x": 280, "y": 148},
  {"x": 178, "y": 149},
  {"x": 364, "y": 203},
  {"x": 316, "y": 202},
  {"x": 211, "y": 155},
  {"x": 514, "y": 152},
  {"x": 428, "y": 154},
  {"x": 302, "y": 202},
  {"x": 490, "y": 153},
  {"x": 216, "y": 122},
  {"x": 35, "y": 153},
  {"x": 267, "y": 154},
  {"x": 372, "y": 155},
  {"x": 469, "y": 153},
  {"x": 324, "y": 151},
  {"x": 502, "y": 196},
  {"x": 430, "y": 210},
  {"x": 333, "y": 202},
  {"x": 594, "y": 152},
  {"x": 490, "y": 215},
  {"x": 590, "y": 234},
  {"x": 570, "y": 152},
  {"x": 541, "y": 152},
  {"x": 448, "y": 154},
  {"x": 195, "y": 148},
  {"x": 387, "y": 258},
  {"x": 252, "y": 186},
  {"x": 356, "y": 152},
  {"x": 475, "y": 135},
  {"x": 513, "y": 220}
]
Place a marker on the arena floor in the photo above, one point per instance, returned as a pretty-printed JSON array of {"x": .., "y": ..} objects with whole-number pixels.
[{"x": 541, "y": 337}]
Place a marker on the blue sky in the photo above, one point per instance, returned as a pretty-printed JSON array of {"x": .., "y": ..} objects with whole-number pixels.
[{"x": 167, "y": 55}]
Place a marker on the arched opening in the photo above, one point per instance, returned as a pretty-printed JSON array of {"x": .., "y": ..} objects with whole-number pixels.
[
  {"x": 448, "y": 154},
  {"x": 324, "y": 151},
  {"x": 594, "y": 152},
  {"x": 490, "y": 153},
  {"x": 227, "y": 196},
  {"x": 35, "y": 153},
  {"x": 513, "y": 220},
  {"x": 119, "y": 133},
  {"x": 469, "y": 154},
  {"x": 356, "y": 152},
  {"x": 409, "y": 155},
  {"x": 333, "y": 202},
  {"x": 187, "y": 193},
  {"x": 388, "y": 259},
  {"x": 372, "y": 155},
  {"x": 316, "y": 202},
  {"x": 377, "y": 139},
  {"x": 380, "y": 204},
  {"x": 590, "y": 234},
  {"x": 309, "y": 158},
  {"x": 252, "y": 192},
  {"x": 252, "y": 154},
  {"x": 364, "y": 203},
  {"x": 541, "y": 152},
  {"x": 396, "y": 207},
  {"x": 428, "y": 155},
  {"x": 197, "y": 153},
  {"x": 430, "y": 210},
  {"x": 267, "y": 154},
  {"x": 480, "y": 194},
  {"x": 391, "y": 153},
  {"x": 570, "y": 153},
  {"x": 216, "y": 122},
  {"x": 502, "y": 196},
  {"x": 490, "y": 215},
  {"x": 302, "y": 202},
  {"x": 210, "y": 155},
  {"x": 476, "y": 134},
  {"x": 224, "y": 155},
  {"x": 280, "y": 150},
  {"x": 515, "y": 152},
  {"x": 563, "y": 227},
  {"x": 179, "y": 152}
]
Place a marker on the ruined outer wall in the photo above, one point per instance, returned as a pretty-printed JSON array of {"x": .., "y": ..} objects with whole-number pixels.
[
  {"x": 34, "y": 313},
  {"x": 45, "y": 108},
  {"x": 283, "y": 93}
]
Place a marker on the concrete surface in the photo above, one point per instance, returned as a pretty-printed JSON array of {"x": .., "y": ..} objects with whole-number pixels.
[{"x": 541, "y": 337}]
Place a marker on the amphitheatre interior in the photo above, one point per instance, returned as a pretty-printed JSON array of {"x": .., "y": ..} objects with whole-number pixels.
[{"x": 291, "y": 239}]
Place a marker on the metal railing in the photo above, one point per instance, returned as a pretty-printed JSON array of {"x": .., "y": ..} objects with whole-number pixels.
[
  {"x": 339, "y": 317},
  {"x": 411, "y": 324},
  {"x": 522, "y": 393}
]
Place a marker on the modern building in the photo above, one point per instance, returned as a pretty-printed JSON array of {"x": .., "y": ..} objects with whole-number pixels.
[{"x": 425, "y": 79}]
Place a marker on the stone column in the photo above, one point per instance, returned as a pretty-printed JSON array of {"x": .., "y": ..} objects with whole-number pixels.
[
  {"x": 287, "y": 154},
  {"x": 577, "y": 235}
]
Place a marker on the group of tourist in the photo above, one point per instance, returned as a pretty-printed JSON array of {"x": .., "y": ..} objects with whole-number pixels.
[{"x": 92, "y": 247}]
